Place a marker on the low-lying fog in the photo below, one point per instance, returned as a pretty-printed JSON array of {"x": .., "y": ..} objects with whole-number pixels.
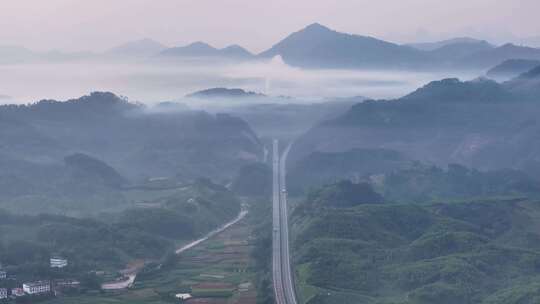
[{"x": 152, "y": 82}]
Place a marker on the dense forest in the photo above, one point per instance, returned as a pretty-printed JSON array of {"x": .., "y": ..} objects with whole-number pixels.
[{"x": 358, "y": 249}]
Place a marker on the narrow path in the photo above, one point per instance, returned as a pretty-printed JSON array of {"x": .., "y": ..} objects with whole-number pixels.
[
  {"x": 240, "y": 216},
  {"x": 117, "y": 285}
]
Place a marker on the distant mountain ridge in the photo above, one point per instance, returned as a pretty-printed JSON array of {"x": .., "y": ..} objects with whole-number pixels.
[
  {"x": 480, "y": 124},
  {"x": 224, "y": 93},
  {"x": 455, "y": 51},
  {"x": 491, "y": 57},
  {"x": 454, "y": 90},
  {"x": 317, "y": 46},
  {"x": 202, "y": 49},
  {"x": 512, "y": 68},
  {"x": 431, "y": 46},
  {"x": 528, "y": 84},
  {"x": 531, "y": 74},
  {"x": 140, "y": 48}
]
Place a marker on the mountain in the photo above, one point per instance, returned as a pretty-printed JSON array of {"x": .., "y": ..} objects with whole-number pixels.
[
  {"x": 453, "y": 90},
  {"x": 195, "y": 49},
  {"x": 201, "y": 49},
  {"x": 317, "y": 46},
  {"x": 88, "y": 168},
  {"x": 224, "y": 93},
  {"x": 532, "y": 74},
  {"x": 139, "y": 48},
  {"x": 235, "y": 51},
  {"x": 526, "y": 84},
  {"x": 480, "y": 124},
  {"x": 451, "y": 52},
  {"x": 512, "y": 68},
  {"x": 489, "y": 58},
  {"x": 129, "y": 137},
  {"x": 431, "y": 46}
]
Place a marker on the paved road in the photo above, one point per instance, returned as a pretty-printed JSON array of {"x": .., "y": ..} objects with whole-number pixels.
[
  {"x": 281, "y": 269},
  {"x": 215, "y": 232},
  {"x": 132, "y": 275}
]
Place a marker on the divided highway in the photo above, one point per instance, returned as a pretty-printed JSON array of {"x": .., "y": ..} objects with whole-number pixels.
[{"x": 281, "y": 266}]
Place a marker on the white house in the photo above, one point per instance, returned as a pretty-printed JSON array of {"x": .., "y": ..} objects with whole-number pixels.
[
  {"x": 3, "y": 293},
  {"x": 58, "y": 262},
  {"x": 3, "y": 274},
  {"x": 183, "y": 296},
  {"x": 37, "y": 287}
]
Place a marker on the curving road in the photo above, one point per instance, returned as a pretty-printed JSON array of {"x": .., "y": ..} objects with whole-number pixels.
[{"x": 281, "y": 266}]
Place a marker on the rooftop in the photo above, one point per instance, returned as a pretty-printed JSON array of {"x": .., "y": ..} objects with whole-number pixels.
[{"x": 37, "y": 283}]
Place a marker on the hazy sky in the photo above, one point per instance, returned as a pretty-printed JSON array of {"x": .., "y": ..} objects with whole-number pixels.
[{"x": 255, "y": 24}]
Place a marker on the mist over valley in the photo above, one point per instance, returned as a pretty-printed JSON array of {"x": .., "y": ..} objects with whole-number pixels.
[{"x": 330, "y": 165}]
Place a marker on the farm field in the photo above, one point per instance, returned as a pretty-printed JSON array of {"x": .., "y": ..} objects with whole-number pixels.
[{"x": 215, "y": 272}]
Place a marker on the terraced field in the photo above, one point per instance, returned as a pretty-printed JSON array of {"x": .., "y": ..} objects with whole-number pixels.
[{"x": 217, "y": 271}]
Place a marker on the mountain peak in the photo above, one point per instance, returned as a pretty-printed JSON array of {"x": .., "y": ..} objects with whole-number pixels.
[
  {"x": 203, "y": 49},
  {"x": 316, "y": 27},
  {"x": 234, "y": 47},
  {"x": 200, "y": 45},
  {"x": 318, "y": 46},
  {"x": 194, "y": 49},
  {"x": 235, "y": 51}
]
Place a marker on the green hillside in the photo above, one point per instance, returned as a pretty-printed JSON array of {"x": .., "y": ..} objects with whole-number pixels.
[
  {"x": 147, "y": 231},
  {"x": 483, "y": 251}
]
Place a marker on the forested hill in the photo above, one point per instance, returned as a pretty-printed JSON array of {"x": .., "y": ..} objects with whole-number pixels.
[
  {"x": 129, "y": 137},
  {"x": 480, "y": 124},
  {"x": 363, "y": 251},
  {"x": 110, "y": 241}
]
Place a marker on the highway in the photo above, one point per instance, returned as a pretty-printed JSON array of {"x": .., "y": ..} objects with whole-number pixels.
[{"x": 281, "y": 266}]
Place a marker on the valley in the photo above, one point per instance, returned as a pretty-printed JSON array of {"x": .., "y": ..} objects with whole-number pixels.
[{"x": 255, "y": 152}]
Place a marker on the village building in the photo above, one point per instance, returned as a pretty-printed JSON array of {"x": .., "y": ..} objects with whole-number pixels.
[
  {"x": 67, "y": 283},
  {"x": 183, "y": 296},
  {"x": 38, "y": 287},
  {"x": 3, "y": 274},
  {"x": 58, "y": 262}
]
